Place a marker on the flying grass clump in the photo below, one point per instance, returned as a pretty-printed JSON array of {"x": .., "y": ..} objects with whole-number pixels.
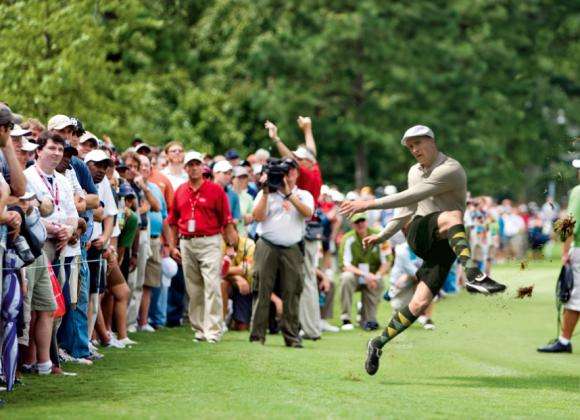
[
  {"x": 525, "y": 292},
  {"x": 565, "y": 227}
]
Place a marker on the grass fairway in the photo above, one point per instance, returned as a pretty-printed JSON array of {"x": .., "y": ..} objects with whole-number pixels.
[{"x": 480, "y": 362}]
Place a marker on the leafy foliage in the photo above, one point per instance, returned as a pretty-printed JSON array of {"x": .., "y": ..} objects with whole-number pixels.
[{"x": 497, "y": 81}]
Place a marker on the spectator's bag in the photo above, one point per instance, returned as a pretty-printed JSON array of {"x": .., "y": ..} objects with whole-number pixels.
[
  {"x": 565, "y": 283},
  {"x": 58, "y": 296}
]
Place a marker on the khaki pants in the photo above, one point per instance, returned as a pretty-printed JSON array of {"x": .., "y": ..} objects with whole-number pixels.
[
  {"x": 284, "y": 264},
  {"x": 137, "y": 277},
  {"x": 370, "y": 298},
  {"x": 309, "y": 301},
  {"x": 202, "y": 262}
]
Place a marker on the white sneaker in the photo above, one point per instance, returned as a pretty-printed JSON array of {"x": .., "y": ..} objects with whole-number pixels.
[
  {"x": 326, "y": 327},
  {"x": 127, "y": 341},
  {"x": 64, "y": 356},
  {"x": 146, "y": 328},
  {"x": 347, "y": 327},
  {"x": 82, "y": 361},
  {"x": 114, "y": 343},
  {"x": 422, "y": 320},
  {"x": 132, "y": 328}
]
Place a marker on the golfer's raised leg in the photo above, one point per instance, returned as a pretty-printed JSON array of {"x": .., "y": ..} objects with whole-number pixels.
[{"x": 451, "y": 226}]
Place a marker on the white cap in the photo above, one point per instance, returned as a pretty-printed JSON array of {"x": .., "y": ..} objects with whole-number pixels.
[
  {"x": 336, "y": 196},
  {"x": 18, "y": 131},
  {"x": 241, "y": 171},
  {"x": 304, "y": 153},
  {"x": 189, "y": 156},
  {"x": 28, "y": 146},
  {"x": 96, "y": 155},
  {"x": 58, "y": 122},
  {"x": 222, "y": 166},
  {"x": 142, "y": 146},
  {"x": 87, "y": 135},
  {"x": 417, "y": 131},
  {"x": 324, "y": 190},
  {"x": 168, "y": 267},
  {"x": 352, "y": 195},
  {"x": 390, "y": 189}
]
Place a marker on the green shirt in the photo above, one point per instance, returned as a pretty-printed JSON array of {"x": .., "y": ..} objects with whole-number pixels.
[
  {"x": 129, "y": 231},
  {"x": 351, "y": 252},
  {"x": 574, "y": 210}
]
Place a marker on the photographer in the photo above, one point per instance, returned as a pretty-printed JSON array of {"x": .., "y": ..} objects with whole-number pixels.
[
  {"x": 309, "y": 179},
  {"x": 281, "y": 210}
]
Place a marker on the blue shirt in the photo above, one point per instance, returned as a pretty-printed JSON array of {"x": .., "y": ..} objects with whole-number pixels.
[
  {"x": 234, "y": 203},
  {"x": 4, "y": 168},
  {"x": 156, "y": 218}
]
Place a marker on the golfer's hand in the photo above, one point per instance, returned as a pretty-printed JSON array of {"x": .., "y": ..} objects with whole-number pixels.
[
  {"x": 272, "y": 130},
  {"x": 565, "y": 258},
  {"x": 349, "y": 208},
  {"x": 370, "y": 241}
]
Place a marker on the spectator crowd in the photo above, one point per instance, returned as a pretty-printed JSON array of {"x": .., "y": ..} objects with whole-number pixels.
[{"x": 98, "y": 243}]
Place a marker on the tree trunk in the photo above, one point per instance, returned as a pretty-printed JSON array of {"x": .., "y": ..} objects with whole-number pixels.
[{"x": 361, "y": 169}]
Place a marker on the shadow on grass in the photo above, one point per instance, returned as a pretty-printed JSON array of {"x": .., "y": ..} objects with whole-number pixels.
[{"x": 535, "y": 382}]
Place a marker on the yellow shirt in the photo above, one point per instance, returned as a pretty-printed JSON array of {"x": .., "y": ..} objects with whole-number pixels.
[{"x": 244, "y": 256}]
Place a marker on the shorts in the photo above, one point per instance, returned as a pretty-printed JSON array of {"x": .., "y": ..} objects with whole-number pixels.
[
  {"x": 153, "y": 267},
  {"x": 97, "y": 270},
  {"x": 573, "y": 303},
  {"x": 40, "y": 295},
  {"x": 437, "y": 255}
]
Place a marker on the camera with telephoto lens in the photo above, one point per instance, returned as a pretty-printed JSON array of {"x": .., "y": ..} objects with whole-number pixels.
[{"x": 276, "y": 169}]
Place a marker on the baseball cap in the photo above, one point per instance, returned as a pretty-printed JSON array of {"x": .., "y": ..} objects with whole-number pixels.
[
  {"x": 389, "y": 190},
  {"x": 241, "y": 171},
  {"x": 126, "y": 190},
  {"x": 232, "y": 154},
  {"x": 359, "y": 216},
  {"x": 60, "y": 121},
  {"x": 28, "y": 146},
  {"x": 222, "y": 166},
  {"x": 97, "y": 155},
  {"x": 6, "y": 115},
  {"x": 417, "y": 131},
  {"x": 189, "y": 156},
  {"x": 18, "y": 131},
  {"x": 89, "y": 136},
  {"x": 143, "y": 147},
  {"x": 304, "y": 153}
]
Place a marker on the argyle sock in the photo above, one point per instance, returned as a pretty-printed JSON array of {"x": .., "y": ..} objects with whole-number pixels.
[
  {"x": 400, "y": 322},
  {"x": 460, "y": 245}
]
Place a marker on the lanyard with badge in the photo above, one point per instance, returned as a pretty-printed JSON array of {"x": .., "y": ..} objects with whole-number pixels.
[
  {"x": 191, "y": 222},
  {"x": 52, "y": 188}
]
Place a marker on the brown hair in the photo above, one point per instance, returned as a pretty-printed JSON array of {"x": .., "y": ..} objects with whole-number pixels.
[
  {"x": 133, "y": 156},
  {"x": 171, "y": 144}
]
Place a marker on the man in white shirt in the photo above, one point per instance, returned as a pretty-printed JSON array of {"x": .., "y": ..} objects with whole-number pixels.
[
  {"x": 44, "y": 181},
  {"x": 281, "y": 210}
]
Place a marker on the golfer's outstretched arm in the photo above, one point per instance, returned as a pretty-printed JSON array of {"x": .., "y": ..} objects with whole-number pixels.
[{"x": 402, "y": 217}]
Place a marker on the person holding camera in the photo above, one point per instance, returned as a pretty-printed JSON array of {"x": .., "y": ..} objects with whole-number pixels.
[
  {"x": 281, "y": 210},
  {"x": 309, "y": 179}
]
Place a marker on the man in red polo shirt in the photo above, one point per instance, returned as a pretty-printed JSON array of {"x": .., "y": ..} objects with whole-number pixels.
[
  {"x": 309, "y": 179},
  {"x": 199, "y": 217}
]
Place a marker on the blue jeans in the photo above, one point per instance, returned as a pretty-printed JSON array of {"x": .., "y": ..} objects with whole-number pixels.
[
  {"x": 158, "y": 306},
  {"x": 73, "y": 335}
]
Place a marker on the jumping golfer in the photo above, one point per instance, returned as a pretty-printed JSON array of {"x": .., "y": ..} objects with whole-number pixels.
[{"x": 430, "y": 212}]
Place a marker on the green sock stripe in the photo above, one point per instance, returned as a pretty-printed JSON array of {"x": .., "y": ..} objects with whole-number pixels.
[{"x": 396, "y": 326}]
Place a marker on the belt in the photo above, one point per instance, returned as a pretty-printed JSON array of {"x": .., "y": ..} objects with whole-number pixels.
[
  {"x": 154, "y": 236},
  {"x": 276, "y": 245},
  {"x": 195, "y": 235}
]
